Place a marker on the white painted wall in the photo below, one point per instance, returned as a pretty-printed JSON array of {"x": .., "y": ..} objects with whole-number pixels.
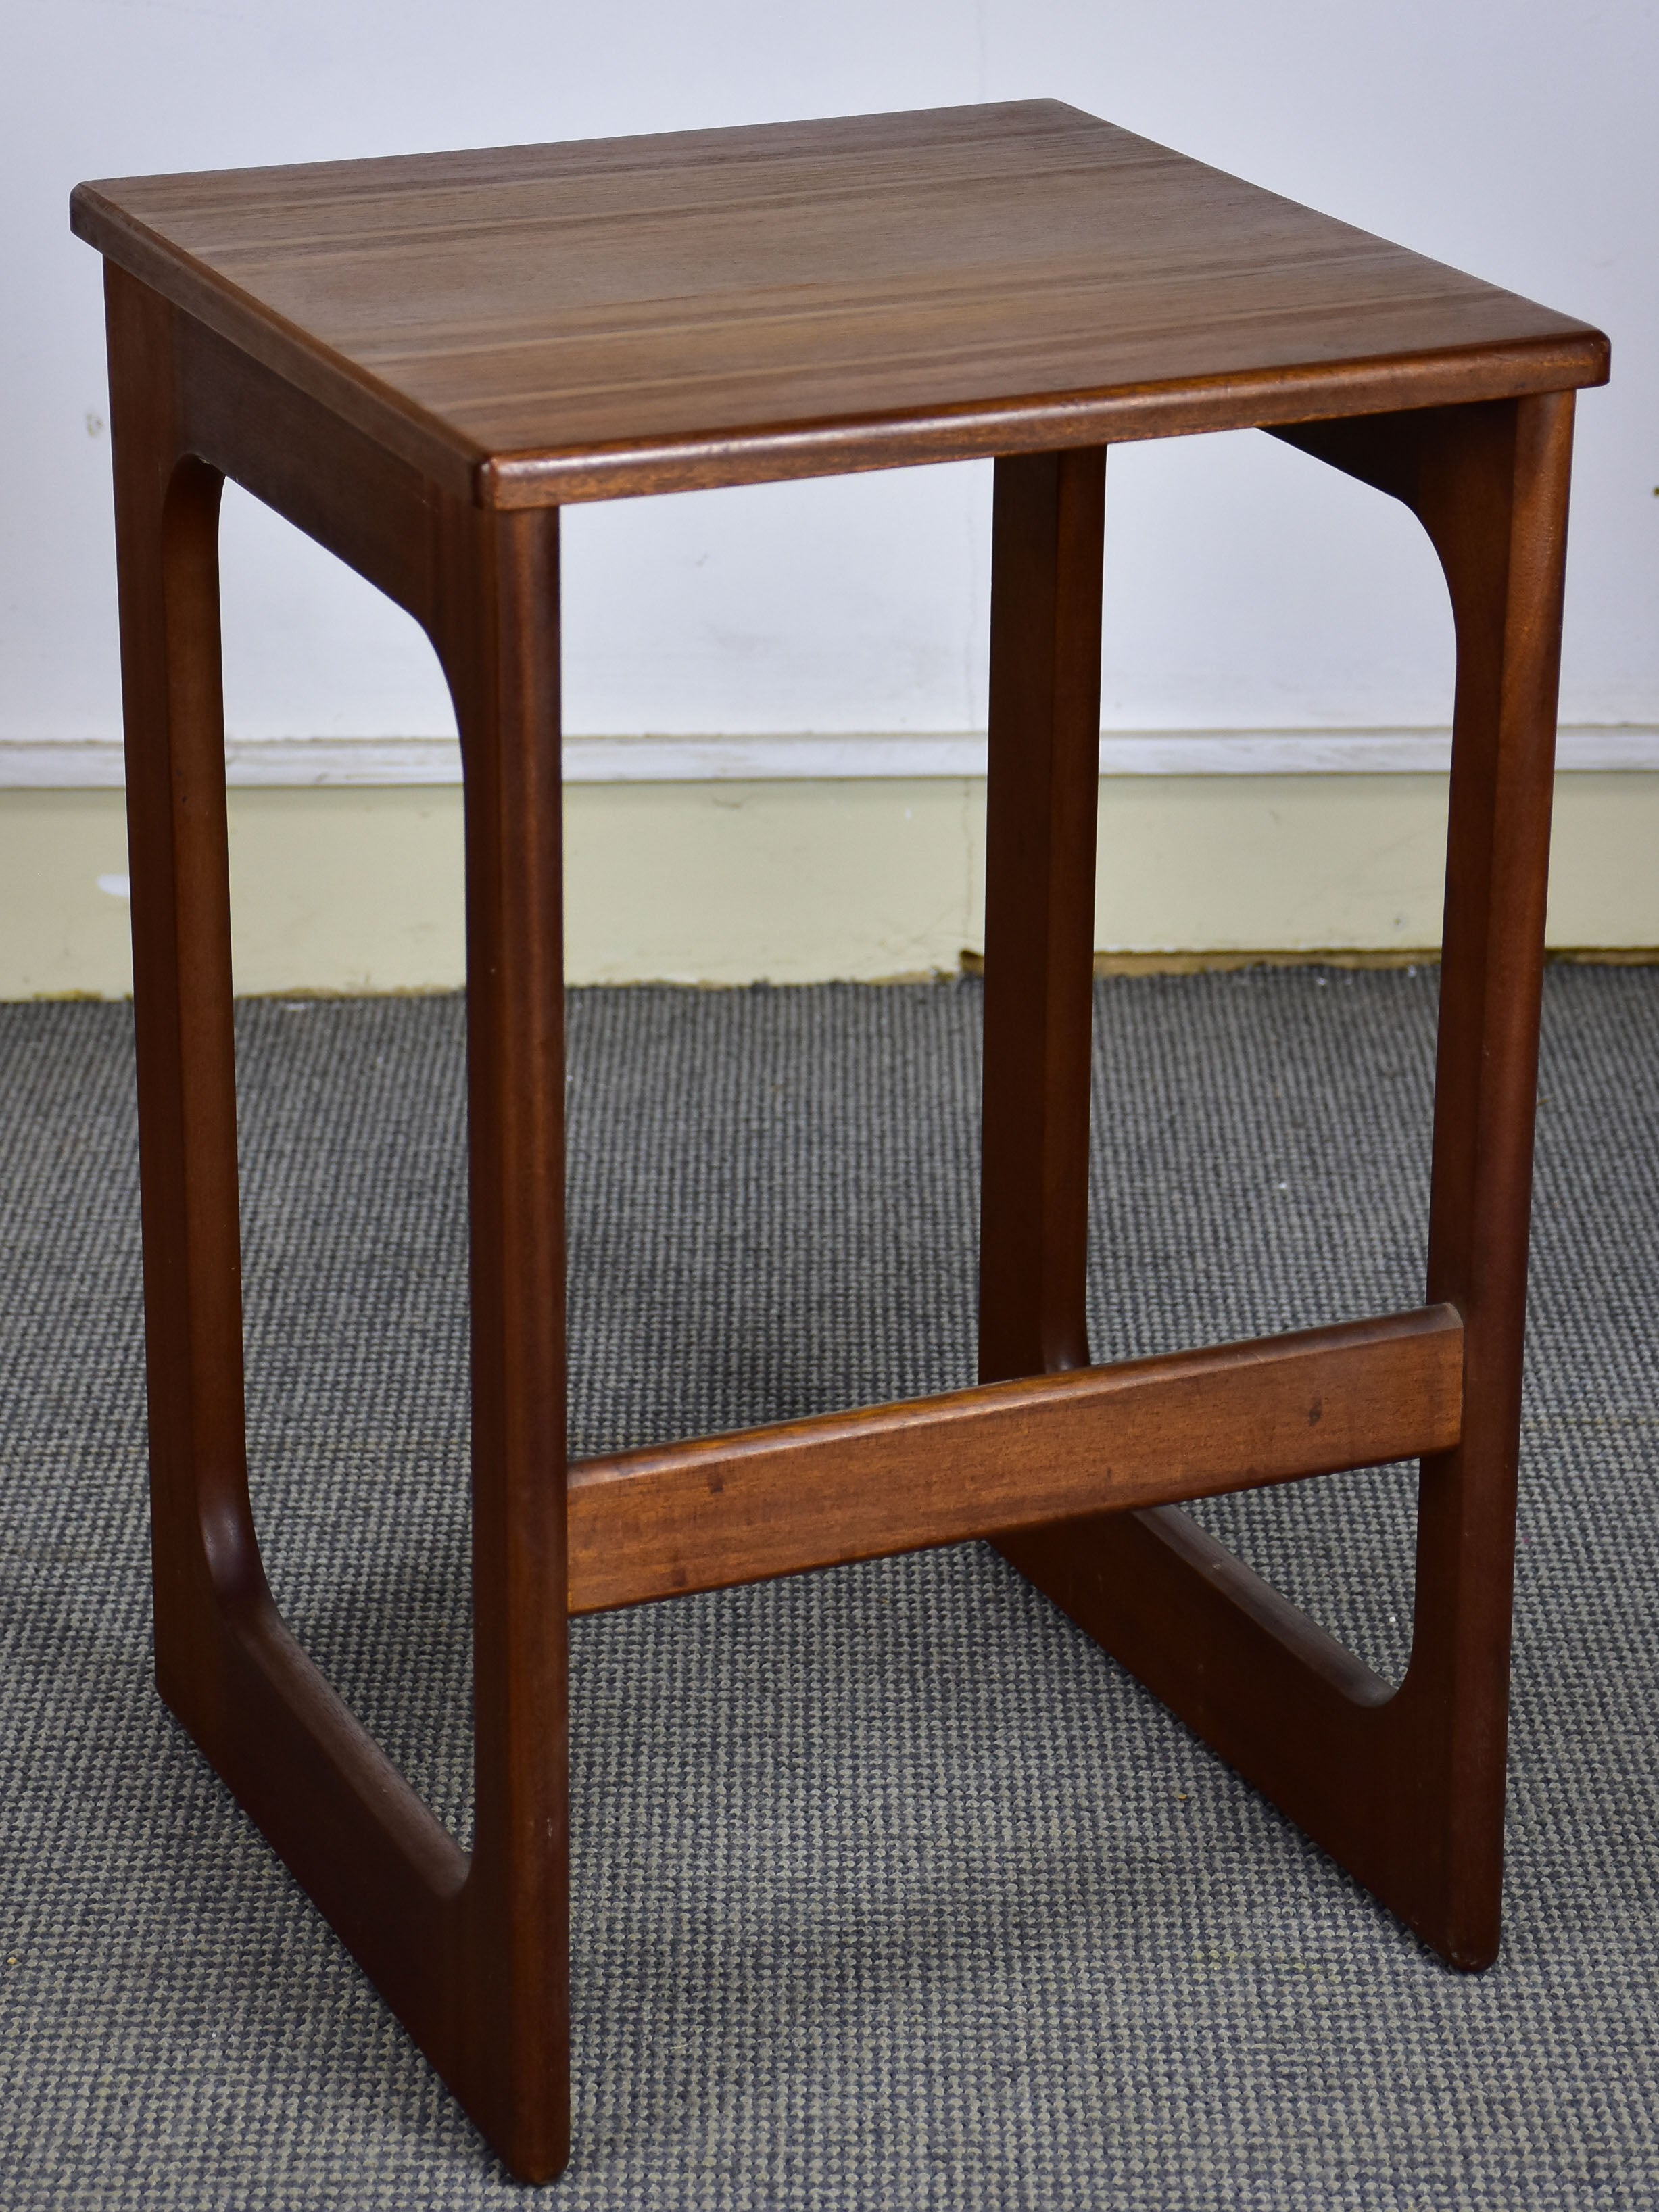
[{"x": 1247, "y": 586}]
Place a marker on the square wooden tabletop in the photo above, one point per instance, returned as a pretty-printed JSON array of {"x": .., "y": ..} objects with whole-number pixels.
[{"x": 542, "y": 324}]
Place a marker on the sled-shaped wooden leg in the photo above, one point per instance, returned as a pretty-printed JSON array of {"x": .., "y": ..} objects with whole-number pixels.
[
  {"x": 470, "y": 1950},
  {"x": 1405, "y": 1787}
]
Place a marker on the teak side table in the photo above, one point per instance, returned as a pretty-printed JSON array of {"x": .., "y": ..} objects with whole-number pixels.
[{"x": 418, "y": 362}]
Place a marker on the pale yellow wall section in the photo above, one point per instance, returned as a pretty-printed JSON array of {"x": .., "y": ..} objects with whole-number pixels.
[{"x": 343, "y": 889}]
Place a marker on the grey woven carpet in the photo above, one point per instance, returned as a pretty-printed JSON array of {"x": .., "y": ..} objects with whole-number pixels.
[{"x": 891, "y": 1890}]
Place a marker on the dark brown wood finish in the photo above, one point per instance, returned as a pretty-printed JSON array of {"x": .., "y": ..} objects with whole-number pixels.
[
  {"x": 1048, "y": 518},
  {"x": 411, "y": 360},
  {"x": 470, "y": 1954},
  {"x": 1407, "y": 1789},
  {"x": 536, "y": 324},
  {"x": 885, "y": 1479}
]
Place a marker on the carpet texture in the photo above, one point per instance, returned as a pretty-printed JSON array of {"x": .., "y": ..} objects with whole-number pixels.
[{"x": 890, "y": 1888}]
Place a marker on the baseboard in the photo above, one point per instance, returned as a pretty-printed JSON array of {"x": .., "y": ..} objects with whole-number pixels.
[
  {"x": 343, "y": 889},
  {"x": 281, "y": 763}
]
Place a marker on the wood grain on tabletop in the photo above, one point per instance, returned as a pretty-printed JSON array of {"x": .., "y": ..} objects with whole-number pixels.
[{"x": 888, "y": 288}]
